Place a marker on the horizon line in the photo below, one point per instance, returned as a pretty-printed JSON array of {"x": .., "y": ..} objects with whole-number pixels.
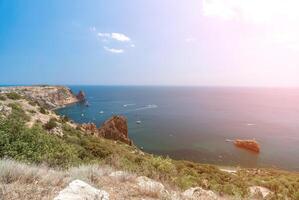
[{"x": 137, "y": 85}]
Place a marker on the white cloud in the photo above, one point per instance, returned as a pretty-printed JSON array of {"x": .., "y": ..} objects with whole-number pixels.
[
  {"x": 105, "y": 35},
  {"x": 111, "y": 38},
  {"x": 115, "y": 36},
  {"x": 112, "y": 50},
  {"x": 120, "y": 37}
]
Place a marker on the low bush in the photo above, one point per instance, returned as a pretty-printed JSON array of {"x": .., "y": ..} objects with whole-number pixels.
[
  {"x": 43, "y": 111},
  {"x": 52, "y": 123},
  {"x": 34, "y": 145},
  {"x": 14, "y": 96},
  {"x": 2, "y": 98}
]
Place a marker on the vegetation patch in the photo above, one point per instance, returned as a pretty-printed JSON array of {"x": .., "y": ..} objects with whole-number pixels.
[
  {"x": 14, "y": 96},
  {"x": 2, "y": 98},
  {"x": 52, "y": 123},
  {"x": 43, "y": 110}
]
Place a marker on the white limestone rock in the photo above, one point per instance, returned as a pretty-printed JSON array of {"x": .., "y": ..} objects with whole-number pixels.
[
  {"x": 148, "y": 185},
  {"x": 79, "y": 190}
]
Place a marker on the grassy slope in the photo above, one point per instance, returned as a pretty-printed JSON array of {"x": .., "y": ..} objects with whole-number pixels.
[{"x": 36, "y": 145}]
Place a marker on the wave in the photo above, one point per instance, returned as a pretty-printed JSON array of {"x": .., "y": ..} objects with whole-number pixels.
[
  {"x": 150, "y": 106},
  {"x": 129, "y": 104},
  {"x": 250, "y": 124}
]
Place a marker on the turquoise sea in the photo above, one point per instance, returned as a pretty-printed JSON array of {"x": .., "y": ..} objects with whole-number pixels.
[{"x": 193, "y": 123}]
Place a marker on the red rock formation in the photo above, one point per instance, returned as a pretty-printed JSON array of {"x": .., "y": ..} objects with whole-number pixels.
[
  {"x": 251, "y": 145},
  {"x": 116, "y": 128}
]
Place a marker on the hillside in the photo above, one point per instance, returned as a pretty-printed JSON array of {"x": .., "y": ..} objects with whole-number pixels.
[{"x": 43, "y": 152}]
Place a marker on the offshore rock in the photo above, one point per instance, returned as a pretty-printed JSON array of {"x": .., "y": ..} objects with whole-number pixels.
[
  {"x": 251, "y": 145},
  {"x": 81, "y": 96}
]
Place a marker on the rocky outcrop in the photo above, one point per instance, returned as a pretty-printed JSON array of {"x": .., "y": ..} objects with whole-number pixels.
[
  {"x": 199, "y": 194},
  {"x": 251, "y": 145},
  {"x": 115, "y": 128},
  {"x": 79, "y": 190},
  {"x": 81, "y": 96}
]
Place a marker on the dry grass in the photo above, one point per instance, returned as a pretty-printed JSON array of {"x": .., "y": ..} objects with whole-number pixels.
[{"x": 25, "y": 181}]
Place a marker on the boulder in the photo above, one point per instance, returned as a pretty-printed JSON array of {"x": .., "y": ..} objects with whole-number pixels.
[
  {"x": 258, "y": 192},
  {"x": 198, "y": 193},
  {"x": 149, "y": 186},
  {"x": 79, "y": 190},
  {"x": 116, "y": 128},
  {"x": 251, "y": 145}
]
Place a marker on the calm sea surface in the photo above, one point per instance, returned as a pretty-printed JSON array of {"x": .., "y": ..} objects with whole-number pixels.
[{"x": 193, "y": 123}]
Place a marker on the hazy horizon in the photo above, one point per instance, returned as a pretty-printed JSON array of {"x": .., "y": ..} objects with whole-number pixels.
[{"x": 208, "y": 43}]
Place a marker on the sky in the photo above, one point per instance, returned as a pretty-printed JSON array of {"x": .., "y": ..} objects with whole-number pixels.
[{"x": 150, "y": 42}]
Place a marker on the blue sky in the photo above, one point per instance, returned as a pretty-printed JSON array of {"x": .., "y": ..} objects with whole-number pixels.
[{"x": 153, "y": 42}]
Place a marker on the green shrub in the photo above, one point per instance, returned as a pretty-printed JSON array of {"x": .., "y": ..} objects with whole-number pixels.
[
  {"x": 34, "y": 145},
  {"x": 2, "y": 98},
  {"x": 14, "y": 96},
  {"x": 52, "y": 123},
  {"x": 43, "y": 111},
  {"x": 32, "y": 103},
  {"x": 65, "y": 119}
]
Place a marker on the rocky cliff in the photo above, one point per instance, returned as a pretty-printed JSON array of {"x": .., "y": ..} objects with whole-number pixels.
[{"x": 51, "y": 97}]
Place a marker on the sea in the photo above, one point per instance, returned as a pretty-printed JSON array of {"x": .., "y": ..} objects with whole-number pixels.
[{"x": 197, "y": 123}]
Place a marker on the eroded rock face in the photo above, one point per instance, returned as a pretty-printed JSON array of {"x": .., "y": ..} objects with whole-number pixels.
[
  {"x": 251, "y": 145},
  {"x": 79, "y": 190},
  {"x": 199, "y": 194},
  {"x": 116, "y": 128}
]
